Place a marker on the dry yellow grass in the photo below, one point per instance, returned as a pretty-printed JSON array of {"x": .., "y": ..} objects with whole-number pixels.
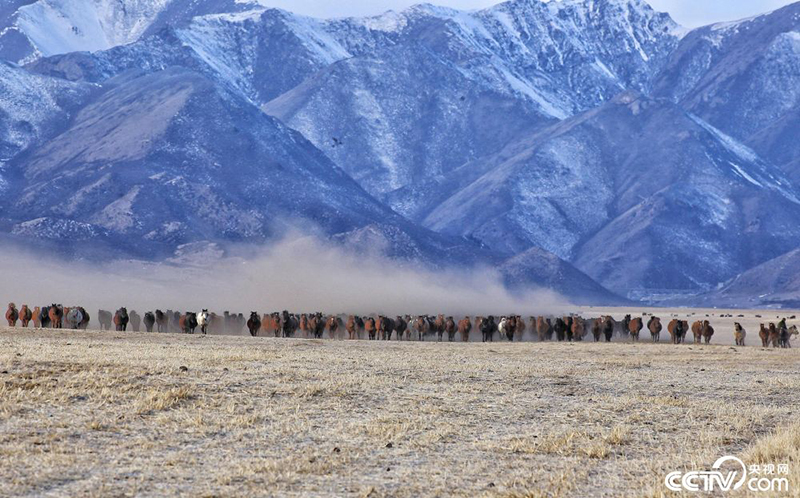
[{"x": 91, "y": 414}]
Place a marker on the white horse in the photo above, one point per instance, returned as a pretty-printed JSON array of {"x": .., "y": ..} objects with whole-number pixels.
[
  {"x": 202, "y": 321},
  {"x": 74, "y": 318},
  {"x": 502, "y": 327}
]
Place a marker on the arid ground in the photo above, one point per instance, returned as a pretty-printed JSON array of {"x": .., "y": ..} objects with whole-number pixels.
[{"x": 115, "y": 414}]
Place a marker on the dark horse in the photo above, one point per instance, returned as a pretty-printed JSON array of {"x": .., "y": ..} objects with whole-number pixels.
[
  {"x": 253, "y": 323},
  {"x": 121, "y": 319},
  {"x": 289, "y": 324},
  {"x": 488, "y": 328}
]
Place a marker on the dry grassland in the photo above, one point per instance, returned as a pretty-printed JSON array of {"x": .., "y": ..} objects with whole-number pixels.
[{"x": 114, "y": 414}]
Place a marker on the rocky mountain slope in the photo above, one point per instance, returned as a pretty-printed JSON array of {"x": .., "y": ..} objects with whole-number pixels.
[{"x": 550, "y": 140}]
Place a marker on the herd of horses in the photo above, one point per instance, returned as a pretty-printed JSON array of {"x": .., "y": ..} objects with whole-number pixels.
[{"x": 315, "y": 325}]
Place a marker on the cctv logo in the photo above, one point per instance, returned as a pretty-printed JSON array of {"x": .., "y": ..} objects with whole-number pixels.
[{"x": 718, "y": 479}]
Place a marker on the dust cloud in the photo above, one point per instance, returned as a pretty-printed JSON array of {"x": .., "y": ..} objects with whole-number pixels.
[{"x": 300, "y": 274}]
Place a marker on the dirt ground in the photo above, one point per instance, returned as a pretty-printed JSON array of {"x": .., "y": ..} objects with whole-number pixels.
[{"x": 114, "y": 414}]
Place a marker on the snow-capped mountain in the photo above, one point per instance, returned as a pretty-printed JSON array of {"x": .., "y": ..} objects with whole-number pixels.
[
  {"x": 30, "y": 29},
  {"x": 551, "y": 140},
  {"x": 742, "y": 77}
]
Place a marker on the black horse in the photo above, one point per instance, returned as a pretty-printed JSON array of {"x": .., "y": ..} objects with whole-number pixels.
[{"x": 488, "y": 328}]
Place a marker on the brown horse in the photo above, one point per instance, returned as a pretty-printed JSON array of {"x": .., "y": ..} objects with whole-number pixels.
[
  {"x": 333, "y": 323},
  {"x": 12, "y": 315},
  {"x": 304, "y": 325},
  {"x": 676, "y": 331},
  {"x": 270, "y": 325},
  {"x": 422, "y": 327},
  {"x": 763, "y": 334},
  {"x": 37, "y": 318},
  {"x": 438, "y": 326},
  {"x": 370, "y": 328},
  {"x": 654, "y": 326},
  {"x": 634, "y": 327},
  {"x": 707, "y": 331},
  {"x": 774, "y": 335},
  {"x": 56, "y": 316},
  {"x": 578, "y": 328},
  {"x": 543, "y": 329},
  {"x": 739, "y": 333},
  {"x": 450, "y": 328},
  {"x": 464, "y": 328},
  {"x": 597, "y": 328},
  {"x": 316, "y": 325},
  {"x": 520, "y": 328},
  {"x": 353, "y": 328},
  {"x": 697, "y": 331},
  {"x": 25, "y": 315}
]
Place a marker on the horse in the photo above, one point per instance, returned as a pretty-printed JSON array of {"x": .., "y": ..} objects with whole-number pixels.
[
  {"x": 175, "y": 320},
  {"x": 654, "y": 326},
  {"x": 507, "y": 327},
  {"x": 351, "y": 328},
  {"x": 697, "y": 331},
  {"x": 86, "y": 319},
  {"x": 544, "y": 330},
  {"x": 135, "y": 320},
  {"x": 303, "y": 325},
  {"x": 676, "y": 331},
  {"x": 560, "y": 329},
  {"x": 25, "y": 315},
  {"x": 634, "y": 327},
  {"x": 786, "y": 337},
  {"x": 121, "y": 320},
  {"x": 438, "y": 326},
  {"x": 422, "y": 327},
  {"x": 739, "y": 333},
  {"x": 625, "y": 326},
  {"x": 316, "y": 325},
  {"x": 450, "y": 328},
  {"x": 188, "y": 322},
  {"x": 12, "y": 315},
  {"x": 520, "y": 328},
  {"x": 289, "y": 324},
  {"x": 370, "y": 328},
  {"x": 149, "y": 321},
  {"x": 162, "y": 321},
  {"x": 332, "y": 324},
  {"x": 763, "y": 334},
  {"x": 37, "y": 317},
  {"x": 385, "y": 327},
  {"x": 271, "y": 324},
  {"x": 464, "y": 328},
  {"x": 44, "y": 317},
  {"x": 203, "y": 322},
  {"x": 578, "y": 328},
  {"x": 105, "y": 318},
  {"x": 401, "y": 327},
  {"x": 608, "y": 327},
  {"x": 488, "y": 328},
  {"x": 597, "y": 328},
  {"x": 707, "y": 331},
  {"x": 253, "y": 323},
  {"x": 56, "y": 316},
  {"x": 568, "y": 320},
  {"x": 73, "y": 317}
]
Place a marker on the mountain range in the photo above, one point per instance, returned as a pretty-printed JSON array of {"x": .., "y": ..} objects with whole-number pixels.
[{"x": 594, "y": 147}]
